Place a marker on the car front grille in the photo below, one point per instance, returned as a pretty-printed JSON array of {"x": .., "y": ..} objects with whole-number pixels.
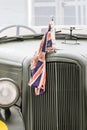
[{"x": 59, "y": 108}]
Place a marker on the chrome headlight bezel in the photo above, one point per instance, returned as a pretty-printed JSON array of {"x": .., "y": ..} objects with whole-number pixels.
[{"x": 9, "y": 91}]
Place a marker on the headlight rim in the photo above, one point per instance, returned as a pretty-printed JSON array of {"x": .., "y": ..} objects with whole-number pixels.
[{"x": 18, "y": 93}]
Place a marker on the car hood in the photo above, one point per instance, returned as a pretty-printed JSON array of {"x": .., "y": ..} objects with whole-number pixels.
[{"x": 16, "y": 52}]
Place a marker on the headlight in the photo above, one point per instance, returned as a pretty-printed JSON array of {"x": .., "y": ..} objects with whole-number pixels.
[{"x": 9, "y": 92}]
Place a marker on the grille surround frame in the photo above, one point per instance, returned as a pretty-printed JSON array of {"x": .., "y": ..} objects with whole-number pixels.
[{"x": 82, "y": 74}]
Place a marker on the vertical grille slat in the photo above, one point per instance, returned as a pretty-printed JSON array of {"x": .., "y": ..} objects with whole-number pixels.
[{"x": 60, "y": 107}]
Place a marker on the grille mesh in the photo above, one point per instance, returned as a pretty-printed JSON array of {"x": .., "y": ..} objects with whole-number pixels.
[{"x": 59, "y": 108}]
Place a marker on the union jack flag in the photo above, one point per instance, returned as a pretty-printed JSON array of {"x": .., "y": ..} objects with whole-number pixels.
[{"x": 38, "y": 63}]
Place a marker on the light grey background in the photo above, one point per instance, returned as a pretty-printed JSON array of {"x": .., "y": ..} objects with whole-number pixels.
[{"x": 13, "y": 12}]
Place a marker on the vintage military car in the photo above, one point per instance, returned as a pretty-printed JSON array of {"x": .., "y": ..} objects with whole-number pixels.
[{"x": 64, "y": 104}]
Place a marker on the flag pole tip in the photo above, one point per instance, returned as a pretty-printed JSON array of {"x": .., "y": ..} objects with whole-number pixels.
[{"x": 52, "y": 18}]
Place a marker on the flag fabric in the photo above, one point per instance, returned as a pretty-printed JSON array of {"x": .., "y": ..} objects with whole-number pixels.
[{"x": 38, "y": 62}]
